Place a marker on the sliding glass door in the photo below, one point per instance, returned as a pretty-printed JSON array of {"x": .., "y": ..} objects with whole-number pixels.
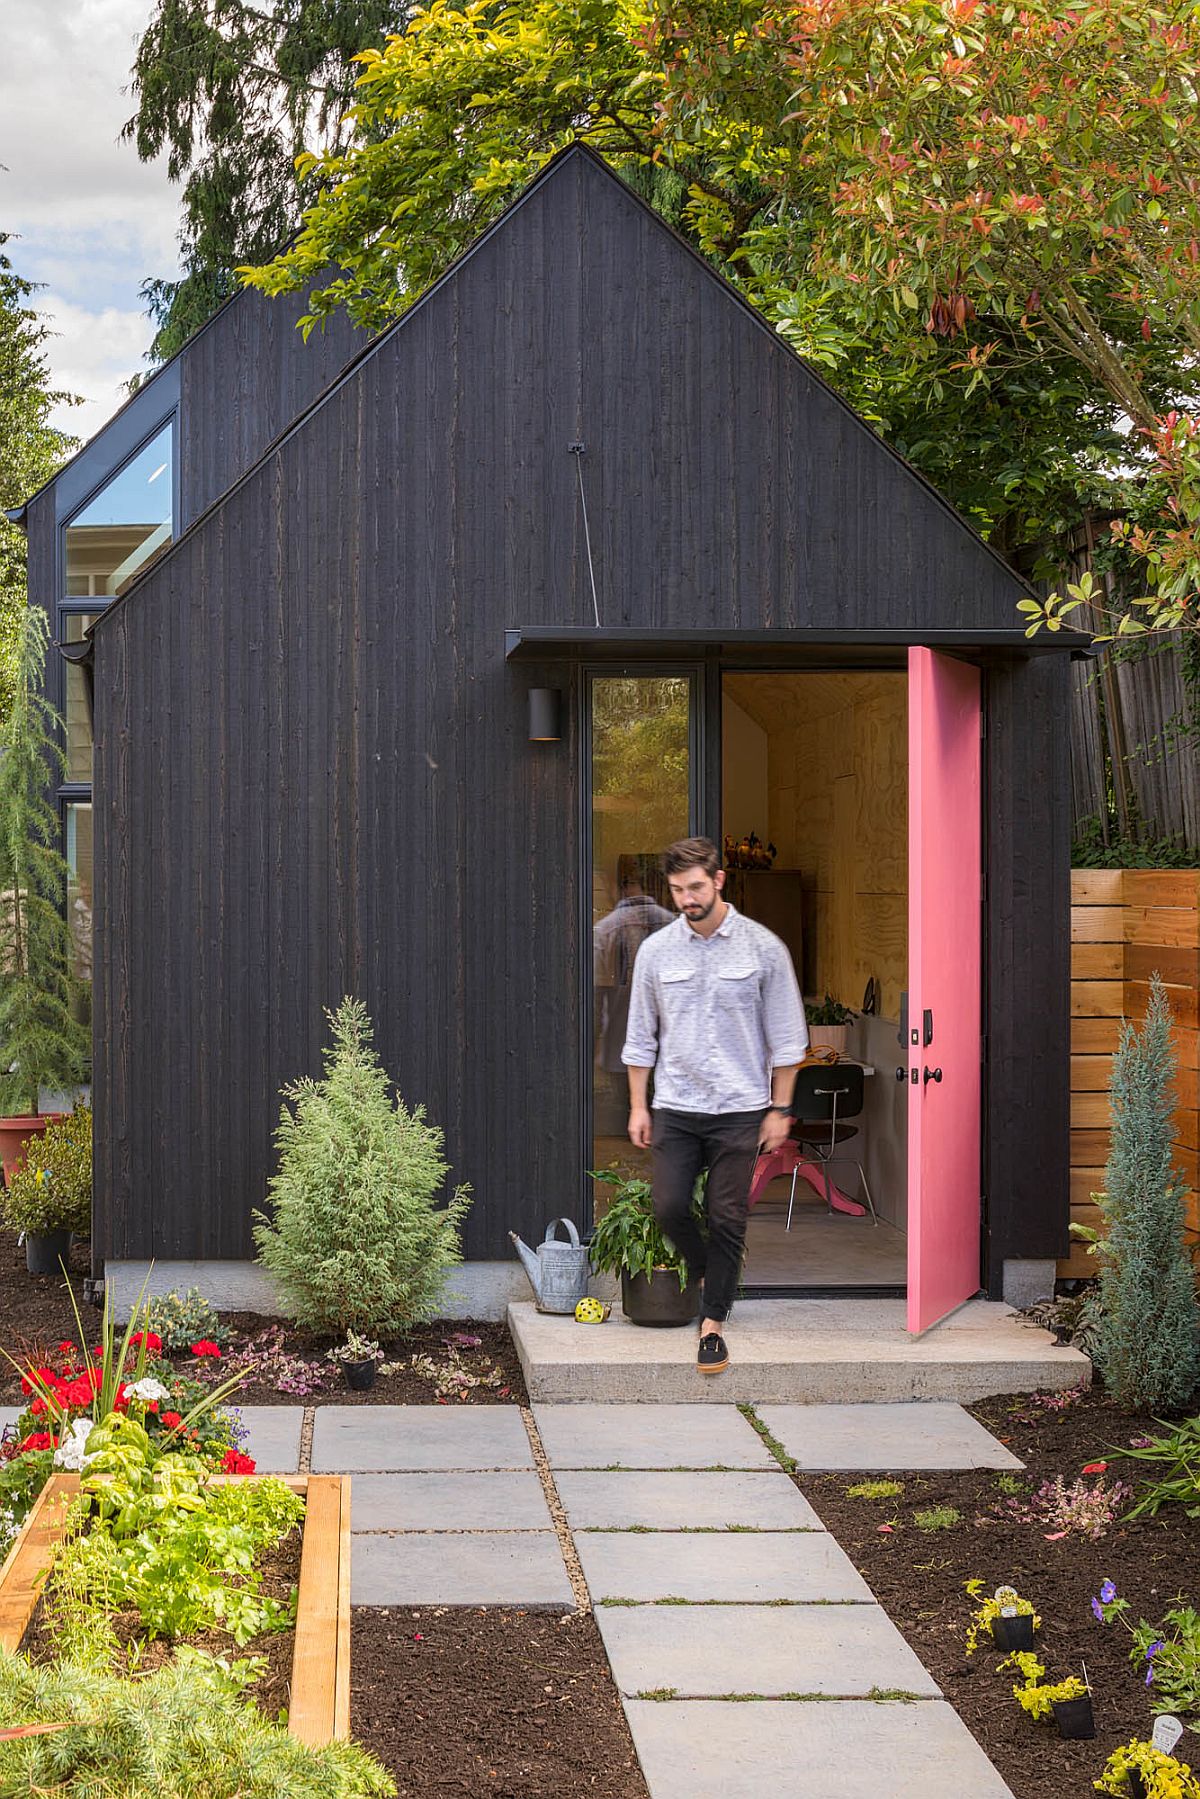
[{"x": 642, "y": 796}]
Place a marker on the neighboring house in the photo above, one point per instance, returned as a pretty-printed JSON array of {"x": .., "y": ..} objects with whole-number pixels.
[{"x": 313, "y": 658}]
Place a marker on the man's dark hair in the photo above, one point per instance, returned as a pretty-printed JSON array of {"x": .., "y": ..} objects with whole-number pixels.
[{"x": 691, "y": 852}]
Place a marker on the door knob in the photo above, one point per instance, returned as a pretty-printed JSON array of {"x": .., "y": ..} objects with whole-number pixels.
[
  {"x": 932, "y": 1074},
  {"x": 902, "y": 1075}
]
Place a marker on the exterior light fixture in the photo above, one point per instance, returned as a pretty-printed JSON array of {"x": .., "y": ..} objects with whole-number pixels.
[{"x": 545, "y": 714}]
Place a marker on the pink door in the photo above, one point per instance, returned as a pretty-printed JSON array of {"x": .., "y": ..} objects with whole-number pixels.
[{"x": 944, "y": 981}]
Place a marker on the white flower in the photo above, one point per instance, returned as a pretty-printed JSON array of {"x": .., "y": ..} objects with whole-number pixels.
[
  {"x": 148, "y": 1389},
  {"x": 71, "y": 1451}
]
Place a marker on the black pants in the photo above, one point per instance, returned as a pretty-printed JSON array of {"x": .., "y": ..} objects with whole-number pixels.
[{"x": 726, "y": 1143}]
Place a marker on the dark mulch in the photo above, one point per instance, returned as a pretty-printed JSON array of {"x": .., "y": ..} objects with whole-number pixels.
[
  {"x": 918, "y": 1577},
  {"x": 35, "y": 1309},
  {"x": 402, "y": 1388},
  {"x": 511, "y": 1704}
]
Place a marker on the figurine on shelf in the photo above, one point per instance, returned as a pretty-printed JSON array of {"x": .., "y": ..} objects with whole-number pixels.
[{"x": 750, "y": 852}]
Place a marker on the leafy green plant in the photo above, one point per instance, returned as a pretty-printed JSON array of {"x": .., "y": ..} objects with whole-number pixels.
[
  {"x": 22, "y": 1477},
  {"x": 181, "y": 1319},
  {"x": 1162, "y": 1776},
  {"x": 1035, "y": 1695},
  {"x": 355, "y": 1349},
  {"x": 358, "y": 1239},
  {"x": 875, "y": 1489},
  {"x": 629, "y": 1239},
  {"x": 184, "y": 1729},
  {"x": 1148, "y": 1340},
  {"x": 937, "y": 1517},
  {"x": 42, "y": 1042},
  {"x": 829, "y": 1011},
  {"x": 1170, "y": 1650},
  {"x": 52, "y": 1189},
  {"x": 1179, "y": 1452}
]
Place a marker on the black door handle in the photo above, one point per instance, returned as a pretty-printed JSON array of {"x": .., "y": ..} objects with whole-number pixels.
[
  {"x": 932, "y": 1074},
  {"x": 902, "y": 1074}
]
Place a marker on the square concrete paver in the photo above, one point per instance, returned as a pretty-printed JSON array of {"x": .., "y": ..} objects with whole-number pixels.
[
  {"x": 448, "y": 1502},
  {"x": 273, "y": 1436},
  {"x": 848, "y": 1749},
  {"x": 804, "y": 1565},
  {"x": 419, "y": 1437},
  {"x": 483, "y": 1569},
  {"x": 665, "y": 1500},
  {"x": 650, "y": 1436},
  {"x": 868, "y": 1438},
  {"x": 838, "y": 1651}
]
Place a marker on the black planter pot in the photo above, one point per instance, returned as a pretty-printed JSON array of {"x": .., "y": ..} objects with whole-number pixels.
[
  {"x": 44, "y": 1251},
  {"x": 659, "y": 1299},
  {"x": 361, "y": 1375},
  {"x": 1074, "y": 1717},
  {"x": 1013, "y": 1633},
  {"x": 1137, "y": 1786}
]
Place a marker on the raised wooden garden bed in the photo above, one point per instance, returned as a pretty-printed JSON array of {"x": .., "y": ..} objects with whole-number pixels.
[{"x": 319, "y": 1708}]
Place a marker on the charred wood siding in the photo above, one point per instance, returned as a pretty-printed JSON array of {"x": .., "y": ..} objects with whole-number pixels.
[{"x": 313, "y": 766}]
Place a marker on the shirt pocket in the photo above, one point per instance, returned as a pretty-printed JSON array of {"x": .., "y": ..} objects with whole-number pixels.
[
  {"x": 677, "y": 987},
  {"x": 737, "y": 990}
]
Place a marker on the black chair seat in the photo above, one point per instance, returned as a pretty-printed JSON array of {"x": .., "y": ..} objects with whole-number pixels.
[{"x": 816, "y": 1131}]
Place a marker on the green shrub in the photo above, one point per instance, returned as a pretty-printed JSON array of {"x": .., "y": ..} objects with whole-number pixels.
[
  {"x": 358, "y": 1239},
  {"x": 52, "y": 1189},
  {"x": 1147, "y": 1338},
  {"x": 181, "y": 1319},
  {"x": 185, "y": 1730}
]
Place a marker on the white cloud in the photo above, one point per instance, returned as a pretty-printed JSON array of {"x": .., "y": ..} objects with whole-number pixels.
[{"x": 93, "y": 222}]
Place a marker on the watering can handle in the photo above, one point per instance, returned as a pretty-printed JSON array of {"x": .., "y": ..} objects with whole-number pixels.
[{"x": 552, "y": 1227}]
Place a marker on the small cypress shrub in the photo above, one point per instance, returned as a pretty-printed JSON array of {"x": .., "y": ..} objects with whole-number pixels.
[
  {"x": 357, "y": 1240},
  {"x": 1147, "y": 1345}
]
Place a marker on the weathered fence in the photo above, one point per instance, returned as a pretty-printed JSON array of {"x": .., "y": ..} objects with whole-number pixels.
[{"x": 1127, "y": 924}]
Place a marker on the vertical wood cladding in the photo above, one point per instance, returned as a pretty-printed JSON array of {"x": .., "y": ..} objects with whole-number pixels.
[{"x": 313, "y": 765}]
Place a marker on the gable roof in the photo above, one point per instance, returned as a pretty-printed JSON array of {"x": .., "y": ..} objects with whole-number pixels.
[{"x": 552, "y": 171}]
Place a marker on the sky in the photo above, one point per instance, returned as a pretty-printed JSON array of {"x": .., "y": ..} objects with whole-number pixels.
[{"x": 91, "y": 222}]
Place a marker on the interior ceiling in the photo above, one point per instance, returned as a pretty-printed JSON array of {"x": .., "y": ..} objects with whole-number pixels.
[{"x": 777, "y": 698}]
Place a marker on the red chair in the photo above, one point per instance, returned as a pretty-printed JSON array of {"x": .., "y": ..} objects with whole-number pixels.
[{"x": 825, "y": 1096}]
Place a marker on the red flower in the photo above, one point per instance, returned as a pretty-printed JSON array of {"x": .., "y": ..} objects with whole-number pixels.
[
  {"x": 237, "y": 1463},
  {"x": 37, "y": 1378},
  {"x": 152, "y": 1405},
  {"x": 37, "y": 1406},
  {"x": 1095, "y": 1467},
  {"x": 121, "y": 1401},
  {"x": 204, "y": 1347},
  {"x": 66, "y": 1347},
  {"x": 172, "y": 1420},
  {"x": 151, "y": 1339},
  {"x": 38, "y": 1439}
]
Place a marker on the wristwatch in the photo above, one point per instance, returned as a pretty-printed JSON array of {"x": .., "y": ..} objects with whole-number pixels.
[{"x": 786, "y": 1110}]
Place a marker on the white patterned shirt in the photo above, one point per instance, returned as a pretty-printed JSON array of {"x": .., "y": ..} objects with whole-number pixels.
[{"x": 713, "y": 1015}]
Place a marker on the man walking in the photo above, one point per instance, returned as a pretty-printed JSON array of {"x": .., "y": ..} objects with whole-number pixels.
[{"x": 716, "y": 1013}]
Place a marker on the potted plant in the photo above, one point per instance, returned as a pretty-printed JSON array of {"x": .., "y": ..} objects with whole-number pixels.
[
  {"x": 49, "y": 1197},
  {"x": 360, "y": 1358},
  {"x": 1009, "y": 1619},
  {"x": 1068, "y": 1702},
  {"x": 42, "y": 1042},
  {"x": 829, "y": 1024},
  {"x": 628, "y": 1241}
]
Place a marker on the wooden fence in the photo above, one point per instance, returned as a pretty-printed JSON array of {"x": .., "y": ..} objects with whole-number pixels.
[{"x": 1127, "y": 924}]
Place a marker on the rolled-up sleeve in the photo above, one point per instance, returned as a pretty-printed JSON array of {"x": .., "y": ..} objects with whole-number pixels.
[
  {"x": 784, "y": 1023},
  {"x": 641, "y": 1032}
]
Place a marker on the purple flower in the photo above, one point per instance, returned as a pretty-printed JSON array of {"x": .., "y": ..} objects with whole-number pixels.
[
  {"x": 1098, "y": 1611},
  {"x": 1107, "y": 1592},
  {"x": 1154, "y": 1649},
  {"x": 1150, "y": 1674}
]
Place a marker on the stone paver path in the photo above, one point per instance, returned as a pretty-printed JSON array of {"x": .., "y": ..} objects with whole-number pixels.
[
  {"x": 748, "y": 1650},
  {"x": 273, "y": 1436}
]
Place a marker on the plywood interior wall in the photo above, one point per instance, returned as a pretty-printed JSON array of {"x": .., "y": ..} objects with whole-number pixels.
[
  {"x": 1127, "y": 924},
  {"x": 837, "y": 810}
]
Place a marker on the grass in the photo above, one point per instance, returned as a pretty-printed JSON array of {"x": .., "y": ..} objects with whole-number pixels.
[
  {"x": 786, "y": 1461},
  {"x": 875, "y": 1489},
  {"x": 937, "y": 1517}
]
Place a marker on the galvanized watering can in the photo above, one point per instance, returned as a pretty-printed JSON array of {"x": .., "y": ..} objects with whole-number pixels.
[{"x": 558, "y": 1272}]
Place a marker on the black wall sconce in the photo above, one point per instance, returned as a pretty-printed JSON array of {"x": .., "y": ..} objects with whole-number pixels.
[{"x": 545, "y": 714}]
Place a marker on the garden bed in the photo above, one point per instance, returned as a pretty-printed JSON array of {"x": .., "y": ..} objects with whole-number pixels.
[
  {"x": 499, "y": 1702},
  {"x": 309, "y": 1667},
  {"x": 918, "y": 1576}
]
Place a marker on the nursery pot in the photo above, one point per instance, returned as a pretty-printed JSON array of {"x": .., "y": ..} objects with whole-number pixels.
[
  {"x": 361, "y": 1375},
  {"x": 1074, "y": 1717},
  {"x": 829, "y": 1036},
  {"x": 42, "y": 1252},
  {"x": 1013, "y": 1633},
  {"x": 1137, "y": 1786},
  {"x": 658, "y": 1298},
  {"x": 15, "y": 1133}
]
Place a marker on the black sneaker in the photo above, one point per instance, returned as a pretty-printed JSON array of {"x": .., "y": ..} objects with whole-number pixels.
[{"x": 713, "y": 1356}]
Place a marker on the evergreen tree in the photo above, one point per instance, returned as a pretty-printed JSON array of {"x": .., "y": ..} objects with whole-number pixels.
[
  {"x": 42, "y": 1044},
  {"x": 1148, "y": 1344},
  {"x": 358, "y": 1240}
]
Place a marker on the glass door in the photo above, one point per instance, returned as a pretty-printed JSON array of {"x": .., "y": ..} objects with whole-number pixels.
[{"x": 642, "y": 795}]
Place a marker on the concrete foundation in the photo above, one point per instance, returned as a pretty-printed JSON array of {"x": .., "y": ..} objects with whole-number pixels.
[
  {"x": 1025, "y": 1282},
  {"x": 798, "y": 1351},
  {"x": 481, "y": 1290}
]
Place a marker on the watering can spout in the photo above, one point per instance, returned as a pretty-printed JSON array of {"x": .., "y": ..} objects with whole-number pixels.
[{"x": 532, "y": 1266}]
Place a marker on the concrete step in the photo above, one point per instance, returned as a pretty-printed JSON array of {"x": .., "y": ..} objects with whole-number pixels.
[{"x": 795, "y": 1351}]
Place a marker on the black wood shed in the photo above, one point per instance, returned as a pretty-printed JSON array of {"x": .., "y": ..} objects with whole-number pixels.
[{"x": 579, "y": 464}]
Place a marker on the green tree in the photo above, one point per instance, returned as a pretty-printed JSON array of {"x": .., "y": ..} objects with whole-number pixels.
[
  {"x": 358, "y": 1239},
  {"x": 41, "y": 1043},
  {"x": 30, "y": 448},
  {"x": 232, "y": 92},
  {"x": 1148, "y": 1343}
]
